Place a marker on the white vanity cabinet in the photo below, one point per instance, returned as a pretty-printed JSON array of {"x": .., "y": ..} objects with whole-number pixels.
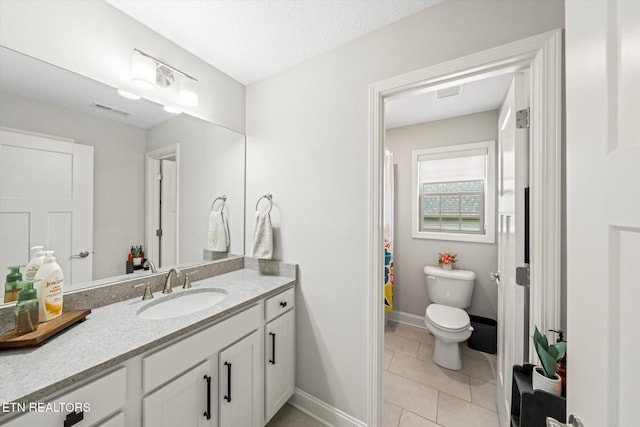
[
  {"x": 105, "y": 396},
  {"x": 279, "y": 357},
  {"x": 240, "y": 385}
]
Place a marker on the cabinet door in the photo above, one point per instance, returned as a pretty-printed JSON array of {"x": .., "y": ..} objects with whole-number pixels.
[
  {"x": 182, "y": 402},
  {"x": 279, "y": 363},
  {"x": 240, "y": 383}
]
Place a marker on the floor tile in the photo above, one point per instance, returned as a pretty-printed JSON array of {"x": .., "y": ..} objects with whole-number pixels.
[
  {"x": 455, "y": 412},
  {"x": 432, "y": 375},
  {"x": 409, "y": 331},
  {"x": 388, "y": 355},
  {"x": 478, "y": 366},
  {"x": 408, "y": 394},
  {"x": 391, "y": 414},
  {"x": 425, "y": 352},
  {"x": 409, "y": 419},
  {"x": 400, "y": 344},
  {"x": 289, "y": 416},
  {"x": 483, "y": 394}
]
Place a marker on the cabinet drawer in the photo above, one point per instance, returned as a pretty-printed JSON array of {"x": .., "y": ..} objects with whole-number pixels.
[
  {"x": 166, "y": 364},
  {"x": 98, "y": 398},
  {"x": 280, "y": 303}
]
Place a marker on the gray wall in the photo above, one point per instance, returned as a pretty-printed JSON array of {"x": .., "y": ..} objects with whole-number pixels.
[
  {"x": 308, "y": 144},
  {"x": 118, "y": 184},
  {"x": 411, "y": 255}
]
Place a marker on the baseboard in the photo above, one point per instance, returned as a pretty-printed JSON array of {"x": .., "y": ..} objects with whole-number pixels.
[
  {"x": 408, "y": 318},
  {"x": 321, "y": 411}
]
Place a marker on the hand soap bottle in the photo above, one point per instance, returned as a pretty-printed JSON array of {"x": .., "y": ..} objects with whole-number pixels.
[
  {"x": 37, "y": 259},
  {"x": 49, "y": 288},
  {"x": 27, "y": 308},
  {"x": 11, "y": 288}
]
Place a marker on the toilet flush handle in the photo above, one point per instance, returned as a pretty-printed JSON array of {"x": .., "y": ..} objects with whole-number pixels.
[{"x": 495, "y": 277}]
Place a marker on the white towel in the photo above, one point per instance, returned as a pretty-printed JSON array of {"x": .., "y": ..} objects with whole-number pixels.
[
  {"x": 262, "y": 247},
  {"x": 218, "y": 232}
]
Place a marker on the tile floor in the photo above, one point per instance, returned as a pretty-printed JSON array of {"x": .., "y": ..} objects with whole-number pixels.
[{"x": 419, "y": 393}]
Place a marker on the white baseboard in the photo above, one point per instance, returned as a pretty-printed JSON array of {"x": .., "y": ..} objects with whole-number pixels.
[
  {"x": 321, "y": 411},
  {"x": 408, "y": 318}
]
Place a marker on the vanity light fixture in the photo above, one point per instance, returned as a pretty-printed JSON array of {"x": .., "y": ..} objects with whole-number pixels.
[{"x": 150, "y": 73}]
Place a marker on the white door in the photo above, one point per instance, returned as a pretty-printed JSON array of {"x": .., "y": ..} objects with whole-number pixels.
[
  {"x": 240, "y": 386},
  {"x": 279, "y": 363},
  {"x": 512, "y": 155},
  {"x": 183, "y": 402},
  {"x": 46, "y": 198},
  {"x": 168, "y": 213},
  {"x": 603, "y": 211}
]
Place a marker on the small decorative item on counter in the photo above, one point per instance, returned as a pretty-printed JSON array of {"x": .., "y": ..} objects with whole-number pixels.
[
  {"x": 138, "y": 256},
  {"x": 130, "y": 256},
  {"x": 446, "y": 260},
  {"x": 50, "y": 288},
  {"x": 11, "y": 288},
  {"x": 27, "y": 308},
  {"x": 37, "y": 259},
  {"x": 545, "y": 377}
]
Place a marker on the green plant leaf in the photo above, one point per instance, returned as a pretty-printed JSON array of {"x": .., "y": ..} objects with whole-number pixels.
[
  {"x": 539, "y": 338},
  {"x": 561, "y": 348},
  {"x": 549, "y": 364}
]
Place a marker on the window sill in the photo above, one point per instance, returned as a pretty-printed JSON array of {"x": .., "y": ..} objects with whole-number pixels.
[{"x": 455, "y": 237}]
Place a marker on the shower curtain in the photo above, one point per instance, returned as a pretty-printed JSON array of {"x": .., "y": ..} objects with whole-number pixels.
[{"x": 388, "y": 231}]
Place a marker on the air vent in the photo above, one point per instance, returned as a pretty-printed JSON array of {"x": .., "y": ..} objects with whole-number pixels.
[
  {"x": 110, "y": 109},
  {"x": 448, "y": 92}
]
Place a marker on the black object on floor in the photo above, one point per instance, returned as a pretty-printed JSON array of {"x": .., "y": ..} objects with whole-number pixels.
[{"x": 485, "y": 334}]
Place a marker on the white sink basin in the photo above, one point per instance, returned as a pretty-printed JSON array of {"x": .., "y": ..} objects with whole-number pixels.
[{"x": 181, "y": 304}]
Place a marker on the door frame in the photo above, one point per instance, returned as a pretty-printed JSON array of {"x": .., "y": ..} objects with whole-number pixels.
[
  {"x": 543, "y": 54},
  {"x": 152, "y": 162}
]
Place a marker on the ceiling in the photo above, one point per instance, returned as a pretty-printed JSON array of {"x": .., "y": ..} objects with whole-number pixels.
[{"x": 250, "y": 40}]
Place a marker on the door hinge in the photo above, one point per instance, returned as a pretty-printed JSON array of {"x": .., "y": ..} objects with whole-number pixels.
[
  {"x": 522, "y": 118},
  {"x": 159, "y": 176},
  {"x": 159, "y": 232},
  {"x": 522, "y": 276}
]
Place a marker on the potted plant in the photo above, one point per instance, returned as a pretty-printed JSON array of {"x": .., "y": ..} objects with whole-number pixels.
[
  {"x": 446, "y": 260},
  {"x": 545, "y": 377}
]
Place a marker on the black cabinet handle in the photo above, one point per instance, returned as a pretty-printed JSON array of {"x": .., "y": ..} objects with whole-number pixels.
[
  {"x": 273, "y": 346},
  {"x": 208, "y": 411},
  {"x": 228, "y": 395},
  {"x": 283, "y": 304},
  {"x": 73, "y": 418}
]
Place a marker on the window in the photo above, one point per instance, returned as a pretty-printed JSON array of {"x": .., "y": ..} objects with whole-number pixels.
[{"x": 454, "y": 190}]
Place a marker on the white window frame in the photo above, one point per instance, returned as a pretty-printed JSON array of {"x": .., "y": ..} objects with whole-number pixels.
[{"x": 453, "y": 151}]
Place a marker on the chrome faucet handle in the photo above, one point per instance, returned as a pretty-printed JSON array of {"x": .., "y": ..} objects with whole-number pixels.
[
  {"x": 167, "y": 284},
  {"x": 187, "y": 280},
  {"x": 147, "y": 290}
]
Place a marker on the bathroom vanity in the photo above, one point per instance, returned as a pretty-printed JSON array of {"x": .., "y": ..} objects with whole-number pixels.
[{"x": 231, "y": 364}]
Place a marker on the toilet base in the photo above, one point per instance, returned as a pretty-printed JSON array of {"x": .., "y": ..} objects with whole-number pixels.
[{"x": 447, "y": 355}]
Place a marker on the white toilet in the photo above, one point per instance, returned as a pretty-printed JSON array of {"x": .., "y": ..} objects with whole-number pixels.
[{"x": 450, "y": 292}]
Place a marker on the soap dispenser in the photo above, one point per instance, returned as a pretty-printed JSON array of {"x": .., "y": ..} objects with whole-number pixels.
[
  {"x": 37, "y": 259},
  {"x": 11, "y": 288},
  {"x": 27, "y": 308},
  {"x": 50, "y": 288}
]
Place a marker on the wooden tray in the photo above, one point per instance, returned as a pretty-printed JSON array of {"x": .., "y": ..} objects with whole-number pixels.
[{"x": 45, "y": 330}]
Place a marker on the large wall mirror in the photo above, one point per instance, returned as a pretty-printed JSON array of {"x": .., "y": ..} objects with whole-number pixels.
[{"x": 129, "y": 143}]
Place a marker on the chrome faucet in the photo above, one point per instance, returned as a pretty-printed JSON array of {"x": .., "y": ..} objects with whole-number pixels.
[
  {"x": 167, "y": 284},
  {"x": 151, "y": 265}
]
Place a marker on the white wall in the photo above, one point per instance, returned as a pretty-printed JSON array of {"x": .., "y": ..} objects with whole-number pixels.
[
  {"x": 118, "y": 183},
  {"x": 411, "y": 255},
  {"x": 307, "y": 143},
  {"x": 211, "y": 163},
  {"x": 96, "y": 40}
]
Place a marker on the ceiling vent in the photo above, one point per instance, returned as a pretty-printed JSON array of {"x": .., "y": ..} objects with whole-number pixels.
[
  {"x": 108, "y": 109},
  {"x": 448, "y": 92}
]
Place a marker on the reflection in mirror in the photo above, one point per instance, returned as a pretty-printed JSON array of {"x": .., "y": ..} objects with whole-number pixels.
[{"x": 47, "y": 109}]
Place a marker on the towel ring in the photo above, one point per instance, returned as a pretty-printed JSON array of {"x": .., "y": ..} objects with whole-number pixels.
[
  {"x": 269, "y": 197},
  {"x": 223, "y": 198}
]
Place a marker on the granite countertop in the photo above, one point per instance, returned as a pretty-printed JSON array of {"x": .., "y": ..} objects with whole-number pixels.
[{"x": 113, "y": 334}]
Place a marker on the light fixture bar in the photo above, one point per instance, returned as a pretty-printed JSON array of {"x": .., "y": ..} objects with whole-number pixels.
[{"x": 165, "y": 64}]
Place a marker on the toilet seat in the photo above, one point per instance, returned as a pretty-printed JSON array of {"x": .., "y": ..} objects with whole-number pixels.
[{"x": 450, "y": 319}]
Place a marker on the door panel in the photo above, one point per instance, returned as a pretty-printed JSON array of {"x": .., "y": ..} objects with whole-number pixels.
[
  {"x": 46, "y": 198},
  {"x": 603, "y": 211}
]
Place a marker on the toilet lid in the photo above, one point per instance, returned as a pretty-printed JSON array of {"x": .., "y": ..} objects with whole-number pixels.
[{"x": 446, "y": 317}]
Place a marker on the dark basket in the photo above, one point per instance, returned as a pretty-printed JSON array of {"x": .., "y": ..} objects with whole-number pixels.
[{"x": 484, "y": 336}]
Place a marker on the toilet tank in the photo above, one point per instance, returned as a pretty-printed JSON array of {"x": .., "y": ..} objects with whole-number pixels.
[{"x": 449, "y": 287}]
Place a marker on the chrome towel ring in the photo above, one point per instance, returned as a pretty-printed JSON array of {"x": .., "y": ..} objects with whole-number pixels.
[
  {"x": 269, "y": 197},
  {"x": 222, "y": 198}
]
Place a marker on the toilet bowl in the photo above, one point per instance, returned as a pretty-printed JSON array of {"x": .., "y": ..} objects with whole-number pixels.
[{"x": 450, "y": 292}]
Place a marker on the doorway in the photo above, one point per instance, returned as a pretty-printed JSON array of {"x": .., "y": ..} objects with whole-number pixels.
[{"x": 541, "y": 54}]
